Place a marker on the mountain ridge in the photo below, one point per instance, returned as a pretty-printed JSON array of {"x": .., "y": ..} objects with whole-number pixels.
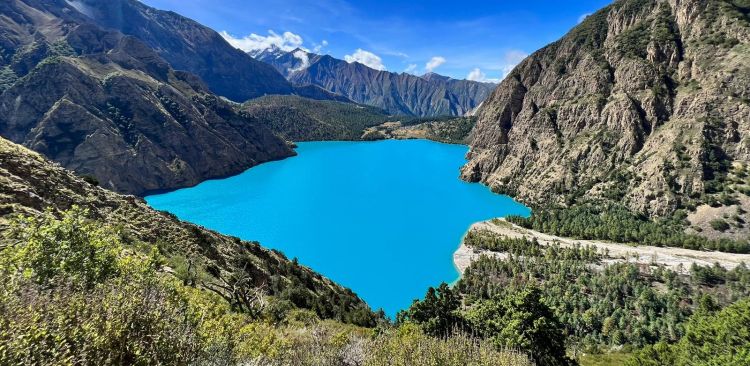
[
  {"x": 397, "y": 93},
  {"x": 113, "y": 108}
]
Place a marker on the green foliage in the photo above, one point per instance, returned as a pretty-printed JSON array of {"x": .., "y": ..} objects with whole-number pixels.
[
  {"x": 72, "y": 248},
  {"x": 604, "y": 359},
  {"x": 593, "y": 31},
  {"x": 711, "y": 338},
  {"x": 301, "y": 119},
  {"x": 634, "y": 41},
  {"x": 522, "y": 321},
  {"x": 437, "y": 314},
  {"x": 600, "y": 305},
  {"x": 61, "y": 48},
  {"x": 719, "y": 225},
  {"x": 616, "y": 223},
  {"x": 7, "y": 78},
  {"x": 454, "y": 130},
  {"x": 407, "y": 346},
  {"x": 73, "y": 292},
  {"x": 514, "y": 321}
]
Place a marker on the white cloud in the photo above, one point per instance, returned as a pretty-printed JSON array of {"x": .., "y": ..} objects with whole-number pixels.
[
  {"x": 434, "y": 63},
  {"x": 287, "y": 41},
  {"x": 304, "y": 60},
  {"x": 478, "y": 75},
  {"x": 319, "y": 47},
  {"x": 366, "y": 58},
  {"x": 583, "y": 17},
  {"x": 411, "y": 69},
  {"x": 511, "y": 59}
]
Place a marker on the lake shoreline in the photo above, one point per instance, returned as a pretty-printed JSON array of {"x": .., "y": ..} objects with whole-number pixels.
[
  {"x": 673, "y": 258},
  {"x": 381, "y": 196}
]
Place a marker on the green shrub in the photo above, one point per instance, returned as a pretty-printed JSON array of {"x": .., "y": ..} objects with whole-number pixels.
[
  {"x": 719, "y": 225},
  {"x": 72, "y": 248},
  {"x": 522, "y": 321},
  {"x": 711, "y": 338}
]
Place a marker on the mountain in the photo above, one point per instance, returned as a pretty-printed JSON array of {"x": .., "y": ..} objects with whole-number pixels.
[
  {"x": 30, "y": 185},
  {"x": 430, "y": 95},
  {"x": 186, "y": 45},
  {"x": 645, "y": 103},
  {"x": 105, "y": 104},
  {"x": 301, "y": 119}
]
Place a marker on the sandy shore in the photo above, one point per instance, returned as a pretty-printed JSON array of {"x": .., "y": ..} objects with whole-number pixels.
[{"x": 670, "y": 257}]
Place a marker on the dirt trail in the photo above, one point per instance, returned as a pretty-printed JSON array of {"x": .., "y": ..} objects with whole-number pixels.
[{"x": 670, "y": 257}]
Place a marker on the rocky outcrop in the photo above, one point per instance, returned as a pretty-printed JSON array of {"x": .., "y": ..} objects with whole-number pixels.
[
  {"x": 105, "y": 104},
  {"x": 406, "y": 94},
  {"x": 646, "y": 102},
  {"x": 30, "y": 184}
]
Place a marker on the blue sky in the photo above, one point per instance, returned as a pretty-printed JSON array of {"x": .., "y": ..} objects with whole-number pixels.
[{"x": 479, "y": 40}]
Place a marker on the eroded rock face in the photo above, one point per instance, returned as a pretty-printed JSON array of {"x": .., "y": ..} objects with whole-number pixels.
[
  {"x": 428, "y": 95},
  {"x": 643, "y": 103},
  {"x": 107, "y": 105}
]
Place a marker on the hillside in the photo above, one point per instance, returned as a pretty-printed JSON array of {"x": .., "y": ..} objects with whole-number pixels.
[
  {"x": 106, "y": 105},
  {"x": 185, "y": 44},
  {"x": 93, "y": 277},
  {"x": 300, "y": 119},
  {"x": 30, "y": 185},
  {"x": 644, "y": 104},
  {"x": 430, "y": 95}
]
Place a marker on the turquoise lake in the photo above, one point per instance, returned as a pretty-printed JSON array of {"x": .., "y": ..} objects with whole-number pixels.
[{"x": 382, "y": 218}]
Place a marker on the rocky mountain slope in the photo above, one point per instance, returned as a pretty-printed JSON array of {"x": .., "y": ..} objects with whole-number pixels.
[
  {"x": 186, "y": 45},
  {"x": 646, "y": 102},
  {"x": 30, "y": 184},
  {"x": 105, "y": 104},
  {"x": 430, "y": 95}
]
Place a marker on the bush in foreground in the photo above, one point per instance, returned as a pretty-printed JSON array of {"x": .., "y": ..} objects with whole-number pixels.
[{"x": 71, "y": 293}]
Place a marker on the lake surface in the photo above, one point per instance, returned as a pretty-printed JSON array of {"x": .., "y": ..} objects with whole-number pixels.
[{"x": 382, "y": 218}]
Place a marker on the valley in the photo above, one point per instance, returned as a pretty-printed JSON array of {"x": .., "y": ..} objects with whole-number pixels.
[
  {"x": 677, "y": 259},
  {"x": 171, "y": 193},
  {"x": 392, "y": 210}
]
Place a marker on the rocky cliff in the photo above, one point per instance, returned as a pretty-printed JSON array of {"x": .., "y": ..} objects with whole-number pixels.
[
  {"x": 429, "y": 95},
  {"x": 105, "y": 104},
  {"x": 30, "y": 184},
  {"x": 646, "y": 102}
]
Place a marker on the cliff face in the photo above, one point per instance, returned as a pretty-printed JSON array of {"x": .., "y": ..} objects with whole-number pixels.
[
  {"x": 190, "y": 46},
  {"x": 105, "y": 104},
  {"x": 30, "y": 184},
  {"x": 647, "y": 102},
  {"x": 430, "y": 95}
]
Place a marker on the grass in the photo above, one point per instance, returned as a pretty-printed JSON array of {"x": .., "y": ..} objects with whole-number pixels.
[{"x": 607, "y": 359}]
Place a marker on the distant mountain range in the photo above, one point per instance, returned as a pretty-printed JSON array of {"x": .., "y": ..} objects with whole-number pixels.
[{"x": 396, "y": 93}]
